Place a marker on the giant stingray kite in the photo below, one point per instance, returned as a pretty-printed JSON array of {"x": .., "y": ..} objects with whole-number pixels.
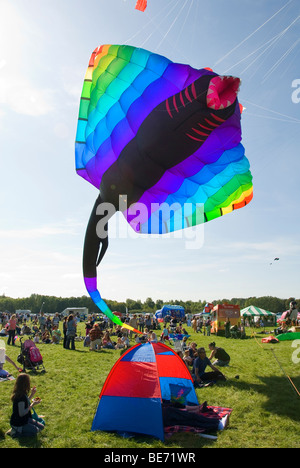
[{"x": 154, "y": 133}]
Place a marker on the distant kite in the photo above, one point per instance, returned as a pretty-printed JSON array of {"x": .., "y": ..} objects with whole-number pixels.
[
  {"x": 161, "y": 143},
  {"x": 275, "y": 259}
]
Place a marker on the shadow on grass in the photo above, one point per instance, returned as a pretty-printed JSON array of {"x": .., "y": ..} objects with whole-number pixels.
[
  {"x": 28, "y": 442},
  {"x": 180, "y": 439},
  {"x": 282, "y": 398}
]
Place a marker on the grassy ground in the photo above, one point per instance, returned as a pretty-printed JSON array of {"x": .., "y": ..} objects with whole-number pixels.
[{"x": 266, "y": 410}]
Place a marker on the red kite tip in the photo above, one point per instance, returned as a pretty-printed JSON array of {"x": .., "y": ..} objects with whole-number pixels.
[{"x": 141, "y": 5}]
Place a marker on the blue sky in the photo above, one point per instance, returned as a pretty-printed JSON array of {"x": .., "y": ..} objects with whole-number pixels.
[{"x": 44, "y": 51}]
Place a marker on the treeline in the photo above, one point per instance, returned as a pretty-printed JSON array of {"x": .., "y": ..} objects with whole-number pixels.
[{"x": 52, "y": 304}]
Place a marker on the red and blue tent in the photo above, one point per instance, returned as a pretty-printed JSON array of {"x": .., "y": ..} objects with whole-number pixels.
[{"x": 131, "y": 398}]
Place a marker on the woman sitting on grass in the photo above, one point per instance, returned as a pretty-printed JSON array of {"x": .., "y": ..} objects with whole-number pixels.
[
  {"x": 21, "y": 421},
  {"x": 106, "y": 342},
  {"x": 222, "y": 358},
  {"x": 95, "y": 337}
]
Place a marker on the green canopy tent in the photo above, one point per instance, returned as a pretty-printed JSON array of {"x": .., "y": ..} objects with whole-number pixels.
[{"x": 256, "y": 312}]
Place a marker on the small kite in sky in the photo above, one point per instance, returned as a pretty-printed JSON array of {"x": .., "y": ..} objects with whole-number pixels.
[{"x": 275, "y": 259}]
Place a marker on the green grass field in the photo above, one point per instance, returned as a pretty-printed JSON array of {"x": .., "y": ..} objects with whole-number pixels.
[{"x": 266, "y": 407}]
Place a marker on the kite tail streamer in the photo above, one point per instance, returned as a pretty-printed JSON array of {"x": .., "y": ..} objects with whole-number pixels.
[{"x": 95, "y": 246}]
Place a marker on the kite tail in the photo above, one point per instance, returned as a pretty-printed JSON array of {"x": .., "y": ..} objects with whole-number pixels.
[{"x": 96, "y": 239}]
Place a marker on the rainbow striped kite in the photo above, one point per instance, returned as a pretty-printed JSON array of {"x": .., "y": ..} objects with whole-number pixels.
[{"x": 161, "y": 141}]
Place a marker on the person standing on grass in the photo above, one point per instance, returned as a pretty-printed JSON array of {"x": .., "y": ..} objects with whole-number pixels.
[
  {"x": 293, "y": 312},
  {"x": 42, "y": 321},
  {"x": 71, "y": 332},
  {"x": 227, "y": 328},
  {"x": 194, "y": 324},
  {"x": 12, "y": 325},
  {"x": 65, "y": 327},
  {"x": 208, "y": 326},
  {"x": 141, "y": 323},
  {"x": 134, "y": 324}
]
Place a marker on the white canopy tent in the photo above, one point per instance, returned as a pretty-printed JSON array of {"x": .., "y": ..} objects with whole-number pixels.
[{"x": 256, "y": 313}]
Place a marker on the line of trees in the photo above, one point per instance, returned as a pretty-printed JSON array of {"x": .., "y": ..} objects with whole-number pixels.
[{"x": 52, "y": 304}]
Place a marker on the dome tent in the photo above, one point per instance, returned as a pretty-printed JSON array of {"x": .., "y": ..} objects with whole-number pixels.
[{"x": 131, "y": 398}]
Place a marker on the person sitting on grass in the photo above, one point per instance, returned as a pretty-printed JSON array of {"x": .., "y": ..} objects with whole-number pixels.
[
  {"x": 153, "y": 337},
  {"x": 21, "y": 421},
  {"x": 187, "y": 358},
  {"x": 119, "y": 344},
  {"x": 281, "y": 329},
  {"x": 201, "y": 377},
  {"x": 106, "y": 342},
  {"x": 35, "y": 329},
  {"x": 25, "y": 330},
  {"x": 56, "y": 335},
  {"x": 36, "y": 338},
  {"x": 184, "y": 343},
  {"x": 137, "y": 338},
  {"x": 193, "y": 350},
  {"x": 95, "y": 337},
  {"x": 222, "y": 358},
  {"x": 3, "y": 373},
  {"x": 125, "y": 341},
  {"x": 46, "y": 337}
]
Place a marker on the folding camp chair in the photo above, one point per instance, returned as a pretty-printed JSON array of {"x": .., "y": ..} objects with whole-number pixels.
[{"x": 177, "y": 345}]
